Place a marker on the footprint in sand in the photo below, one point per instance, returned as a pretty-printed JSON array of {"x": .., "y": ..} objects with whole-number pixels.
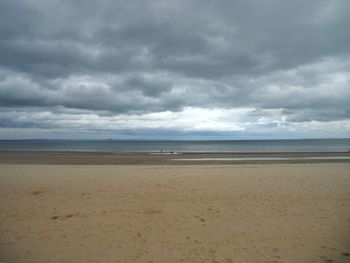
[
  {"x": 211, "y": 209},
  {"x": 38, "y": 192},
  {"x": 64, "y": 217},
  {"x": 152, "y": 211},
  {"x": 200, "y": 218},
  {"x": 211, "y": 251},
  {"x": 326, "y": 259}
]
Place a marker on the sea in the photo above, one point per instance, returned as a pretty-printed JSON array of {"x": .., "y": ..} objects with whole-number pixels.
[{"x": 156, "y": 146}]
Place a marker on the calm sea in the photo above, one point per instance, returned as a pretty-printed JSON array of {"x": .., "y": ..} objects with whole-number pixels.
[{"x": 304, "y": 145}]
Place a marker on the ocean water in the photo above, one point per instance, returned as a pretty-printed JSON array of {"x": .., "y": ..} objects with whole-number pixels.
[{"x": 304, "y": 145}]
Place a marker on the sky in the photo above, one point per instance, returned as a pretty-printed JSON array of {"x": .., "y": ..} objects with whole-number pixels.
[{"x": 165, "y": 69}]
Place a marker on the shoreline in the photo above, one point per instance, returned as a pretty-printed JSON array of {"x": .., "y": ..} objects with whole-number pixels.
[{"x": 182, "y": 158}]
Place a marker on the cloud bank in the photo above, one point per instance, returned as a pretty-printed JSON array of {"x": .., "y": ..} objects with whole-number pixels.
[{"x": 177, "y": 69}]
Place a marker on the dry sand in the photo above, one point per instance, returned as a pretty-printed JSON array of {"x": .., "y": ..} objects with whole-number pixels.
[{"x": 175, "y": 213}]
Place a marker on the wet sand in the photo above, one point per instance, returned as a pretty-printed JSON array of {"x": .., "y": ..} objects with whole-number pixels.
[
  {"x": 103, "y": 158},
  {"x": 175, "y": 213}
]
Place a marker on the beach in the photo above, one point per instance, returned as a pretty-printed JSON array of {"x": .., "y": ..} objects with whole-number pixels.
[{"x": 70, "y": 209}]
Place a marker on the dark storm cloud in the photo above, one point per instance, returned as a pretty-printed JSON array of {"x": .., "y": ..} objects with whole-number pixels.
[
  {"x": 149, "y": 87},
  {"x": 115, "y": 57}
]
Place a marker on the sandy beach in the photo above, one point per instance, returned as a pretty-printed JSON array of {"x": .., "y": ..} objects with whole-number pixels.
[{"x": 175, "y": 213}]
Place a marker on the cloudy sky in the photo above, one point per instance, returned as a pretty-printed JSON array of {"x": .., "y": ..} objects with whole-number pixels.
[{"x": 165, "y": 69}]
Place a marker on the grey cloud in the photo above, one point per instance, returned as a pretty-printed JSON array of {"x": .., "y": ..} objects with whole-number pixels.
[
  {"x": 247, "y": 34},
  {"x": 116, "y": 57},
  {"x": 149, "y": 87},
  {"x": 137, "y": 94}
]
